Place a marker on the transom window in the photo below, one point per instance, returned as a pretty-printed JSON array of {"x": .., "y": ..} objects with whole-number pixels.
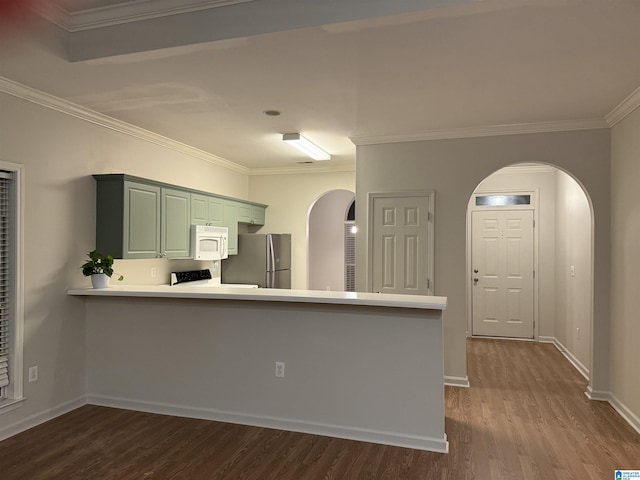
[{"x": 502, "y": 200}]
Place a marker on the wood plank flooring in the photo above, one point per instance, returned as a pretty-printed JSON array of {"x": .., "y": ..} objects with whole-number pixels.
[{"x": 524, "y": 417}]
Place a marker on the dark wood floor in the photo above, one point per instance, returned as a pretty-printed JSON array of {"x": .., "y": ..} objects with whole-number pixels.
[{"x": 524, "y": 417}]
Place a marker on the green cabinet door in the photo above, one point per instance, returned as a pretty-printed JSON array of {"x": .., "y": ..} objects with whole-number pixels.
[
  {"x": 176, "y": 220},
  {"x": 231, "y": 222},
  {"x": 141, "y": 219},
  {"x": 199, "y": 209},
  {"x": 257, "y": 215},
  {"x": 207, "y": 210},
  {"x": 216, "y": 211},
  {"x": 244, "y": 213},
  {"x": 251, "y": 214}
]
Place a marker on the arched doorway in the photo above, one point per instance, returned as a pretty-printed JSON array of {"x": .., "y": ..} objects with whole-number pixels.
[
  {"x": 561, "y": 256},
  {"x": 326, "y": 240}
]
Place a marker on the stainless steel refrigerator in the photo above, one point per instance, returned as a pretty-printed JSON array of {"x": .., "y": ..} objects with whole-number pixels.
[{"x": 262, "y": 259}]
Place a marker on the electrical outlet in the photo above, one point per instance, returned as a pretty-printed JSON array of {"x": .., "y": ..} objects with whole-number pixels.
[
  {"x": 153, "y": 272},
  {"x": 280, "y": 369},
  {"x": 33, "y": 374},
  {"x": 572, "y": 271}
]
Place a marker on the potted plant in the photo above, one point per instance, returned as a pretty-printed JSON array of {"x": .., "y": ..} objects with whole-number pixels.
[{"x": 100, "y": 268}]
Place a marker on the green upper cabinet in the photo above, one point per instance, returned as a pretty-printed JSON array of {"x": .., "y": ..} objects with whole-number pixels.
[
  {"x": 216, "y": 211},
  {"x": 244, "y": 212},
  {"x": 175, "y": 224},
  {"x": 207, "y": 210},
  {"x": 231, "y": 222},
  {"x": 257, "y": 215},
  {"x": 128, "y": 218},
  {"x": 251, "y": 213},
  {"x": 141, "y": 221},
  {"x": 199, "y": 209},
  {"x": 139, "y": 218}
]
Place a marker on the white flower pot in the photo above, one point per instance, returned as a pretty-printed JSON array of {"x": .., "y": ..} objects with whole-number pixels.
[{"x": 99, "y": 280}]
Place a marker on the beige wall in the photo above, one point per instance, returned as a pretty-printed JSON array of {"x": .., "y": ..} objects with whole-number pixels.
[
  {"x": 625, "y": 262},
  {"x": 290, "y": 198},
  {"x": 453, "y": 168},
  {"x": 573, "y": 290},
  {"x": 59, "y": 153}
]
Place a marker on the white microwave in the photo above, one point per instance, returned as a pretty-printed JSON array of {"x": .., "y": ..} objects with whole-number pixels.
[{"x": 209, "y": 242}]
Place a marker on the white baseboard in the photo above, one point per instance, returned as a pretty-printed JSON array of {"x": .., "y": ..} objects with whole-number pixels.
[
  {"x": 584, "y": 371},
  {"x": 433, "y": 444},
  {"x": 38, "y": 418},
  {"x": 456, "y": 381},
  {"x": 630, "y": 417},
  {"x": 624, "y": 411},
  {"x": 599, "y": 395},
  {"x": 543, "y": 339}
]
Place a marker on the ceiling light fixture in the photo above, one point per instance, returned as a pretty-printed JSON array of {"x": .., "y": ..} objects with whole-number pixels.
[{"x": 305, "y": 146}]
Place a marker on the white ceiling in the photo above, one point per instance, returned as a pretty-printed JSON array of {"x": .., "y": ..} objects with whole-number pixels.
[{"x": 469, "y": 65}]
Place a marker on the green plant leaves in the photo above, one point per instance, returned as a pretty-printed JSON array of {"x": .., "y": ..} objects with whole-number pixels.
[{"x": 99, "y": 263}]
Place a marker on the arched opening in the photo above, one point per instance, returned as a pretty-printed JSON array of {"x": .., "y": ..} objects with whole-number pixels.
[
  {"x": 561, "y": 257},
  {"x": 326, "y": 240}
]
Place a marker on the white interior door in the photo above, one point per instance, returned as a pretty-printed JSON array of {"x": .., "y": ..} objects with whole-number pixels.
[
  {"x": 401, "y": 247},
  {"x": 502, "y": 262}
]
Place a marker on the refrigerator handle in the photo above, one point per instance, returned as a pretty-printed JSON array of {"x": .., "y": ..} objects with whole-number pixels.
[{"x": 272, "y": 254}]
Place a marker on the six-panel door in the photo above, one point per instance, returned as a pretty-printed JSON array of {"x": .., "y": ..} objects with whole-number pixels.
[
  {"x": 400, "y": 245},
  {"x": 502, "y": 262}
]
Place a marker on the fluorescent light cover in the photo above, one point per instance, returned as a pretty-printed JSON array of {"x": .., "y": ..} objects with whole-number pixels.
[{"x": 305, "y": 146}]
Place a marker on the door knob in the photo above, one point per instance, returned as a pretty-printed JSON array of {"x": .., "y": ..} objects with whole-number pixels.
[
  {"x": 475, "y": 270},
  {"x": 475, "y": 280}
]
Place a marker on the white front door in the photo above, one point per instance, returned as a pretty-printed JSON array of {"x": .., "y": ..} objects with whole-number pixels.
[
  {"x": 401, "y": 237},
  {"x": 502, "y": 278}
]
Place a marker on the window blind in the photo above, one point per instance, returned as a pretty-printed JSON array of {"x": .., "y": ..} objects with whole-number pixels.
[
  {"x": 5, "y": 270},
  {"x": 349, "y": 257}
]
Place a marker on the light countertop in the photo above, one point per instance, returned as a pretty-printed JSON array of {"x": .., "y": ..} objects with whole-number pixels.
[{"x": 268, "y": 295}]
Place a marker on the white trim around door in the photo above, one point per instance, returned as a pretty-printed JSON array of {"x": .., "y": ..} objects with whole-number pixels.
[{"x": 533, "y": 205}]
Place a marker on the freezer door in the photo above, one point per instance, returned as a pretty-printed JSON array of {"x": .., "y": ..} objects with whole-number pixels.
[
  {"x": 250, "y": 265},
  {"x": 279, "y": 279},
  {"x": 278, "y": 251}
]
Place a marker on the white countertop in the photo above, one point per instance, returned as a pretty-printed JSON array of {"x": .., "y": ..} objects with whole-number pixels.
[{"x": 268, "y": 295}]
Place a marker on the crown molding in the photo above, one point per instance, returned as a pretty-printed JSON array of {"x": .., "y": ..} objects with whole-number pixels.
[
  {"x": 624, "y": 108},
  {"x": 46, "y": 100},
  {"x": 127, "y": 12},
  {"x": 54, "y": 103},
  {"x": 488, "y": 131},
  {"x": 302, "y": 169}
]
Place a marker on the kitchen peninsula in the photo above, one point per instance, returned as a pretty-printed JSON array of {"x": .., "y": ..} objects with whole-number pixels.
[{"x": 356, "y": 365}]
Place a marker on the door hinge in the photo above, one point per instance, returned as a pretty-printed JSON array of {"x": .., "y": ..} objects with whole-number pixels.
[
  {"x": 428, "y": 284},
  {"x": 534, "y": 223},
  {"x": 428, "y": 216},
  {"x": 534, "y": 274}
]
